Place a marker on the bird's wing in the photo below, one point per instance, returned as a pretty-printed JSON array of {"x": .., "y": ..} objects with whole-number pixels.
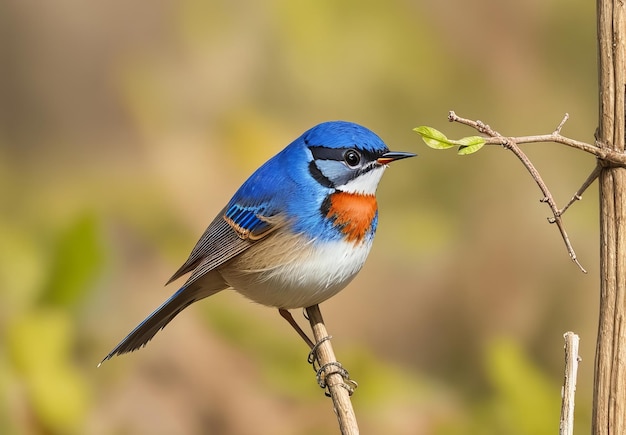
[{"x": 233, "y": 231}]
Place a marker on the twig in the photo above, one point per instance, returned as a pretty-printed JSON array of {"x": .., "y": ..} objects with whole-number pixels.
[
  {"x": 511, "y": 143},
  {"x": 579, "y": 193},
  {"x": 614, "y": 157},
  {"x": 572, "y": 359},
  {"x": 561, "y": 124},
  {"x": 331, "y": 374}
]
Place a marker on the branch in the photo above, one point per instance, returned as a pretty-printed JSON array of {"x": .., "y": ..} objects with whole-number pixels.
[
  {"x": 572, "y": 359},
  {"x": 578, "y": 195},
  {"x": 511, "y": 143},
  {"x": 331, "y": 374},
  {"x": 602, "y": 153}
]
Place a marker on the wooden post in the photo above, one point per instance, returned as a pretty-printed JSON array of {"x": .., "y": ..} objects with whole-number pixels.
[{"x": 609, "y": 410}]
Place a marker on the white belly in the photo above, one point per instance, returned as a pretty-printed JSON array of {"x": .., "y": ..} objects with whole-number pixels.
[{"x": 302, "y": 275}]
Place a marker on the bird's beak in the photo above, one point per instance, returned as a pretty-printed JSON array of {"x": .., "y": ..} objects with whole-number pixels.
[{"x": 393, "y": 156}]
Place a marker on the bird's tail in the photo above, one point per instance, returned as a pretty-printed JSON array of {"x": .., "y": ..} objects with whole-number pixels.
[{"x": 156, "y": 321}]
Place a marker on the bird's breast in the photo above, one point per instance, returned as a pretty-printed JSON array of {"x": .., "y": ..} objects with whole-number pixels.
[
  {"x": 291, "y": 268},
  {"x": 292, "y": 271},
  {"x": 351, "y": 213}
]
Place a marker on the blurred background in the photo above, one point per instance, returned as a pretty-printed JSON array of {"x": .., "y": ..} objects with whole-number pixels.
[{"x": 126, "y": 125}]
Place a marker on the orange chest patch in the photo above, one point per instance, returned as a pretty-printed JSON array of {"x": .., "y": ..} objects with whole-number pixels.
[{"x": 351, "y": 213}]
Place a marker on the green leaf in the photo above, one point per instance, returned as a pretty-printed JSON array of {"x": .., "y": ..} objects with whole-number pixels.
[
  {"x": 437, "y": 140},
  {"x": 434, "y": 138},
  {"x": 471, "y": 144}
]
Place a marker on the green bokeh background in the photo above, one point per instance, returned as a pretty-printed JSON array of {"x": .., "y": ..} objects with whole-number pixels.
[{"x": 126, "y": 125}]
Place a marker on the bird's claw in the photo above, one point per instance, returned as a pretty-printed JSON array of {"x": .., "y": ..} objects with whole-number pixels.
[{"x": 330, "y": 368}]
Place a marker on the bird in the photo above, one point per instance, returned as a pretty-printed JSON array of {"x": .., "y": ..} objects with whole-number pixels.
[{"x": 295, "y": 233}]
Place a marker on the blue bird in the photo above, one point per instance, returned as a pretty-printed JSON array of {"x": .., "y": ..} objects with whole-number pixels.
[{"x": 293, "y": 235}]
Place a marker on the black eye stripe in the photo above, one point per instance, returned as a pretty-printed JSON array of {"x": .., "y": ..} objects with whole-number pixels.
[{"x": 324, "y": 153}]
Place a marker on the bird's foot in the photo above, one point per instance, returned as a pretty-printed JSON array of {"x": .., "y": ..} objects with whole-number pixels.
[{"x": 334, "y": 367}]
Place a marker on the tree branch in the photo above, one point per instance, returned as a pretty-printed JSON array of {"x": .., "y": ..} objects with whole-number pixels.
[
  {"x": 511, "y": 143},
  {"x": 607, "y": 155}
]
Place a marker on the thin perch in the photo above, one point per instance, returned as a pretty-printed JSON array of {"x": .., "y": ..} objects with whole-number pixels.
[{"x": 332, "y": 375}]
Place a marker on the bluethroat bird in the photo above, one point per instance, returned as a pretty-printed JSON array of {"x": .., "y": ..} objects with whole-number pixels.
[{"x": 293, "y": 235}]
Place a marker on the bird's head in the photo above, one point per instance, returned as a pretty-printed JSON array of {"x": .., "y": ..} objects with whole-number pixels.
[{"x": 348, "y": 157}]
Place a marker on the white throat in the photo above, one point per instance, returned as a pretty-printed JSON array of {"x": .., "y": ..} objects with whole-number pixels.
[{"x": 364, "y": 184}]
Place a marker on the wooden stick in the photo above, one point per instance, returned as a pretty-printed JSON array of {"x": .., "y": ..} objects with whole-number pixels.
[
  {"x": 572, "y": 359},
  {"x": 331, "y": 374}
]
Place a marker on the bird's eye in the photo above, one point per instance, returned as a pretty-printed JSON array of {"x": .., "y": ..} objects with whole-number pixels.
[{"x": 352, "y": 157}]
